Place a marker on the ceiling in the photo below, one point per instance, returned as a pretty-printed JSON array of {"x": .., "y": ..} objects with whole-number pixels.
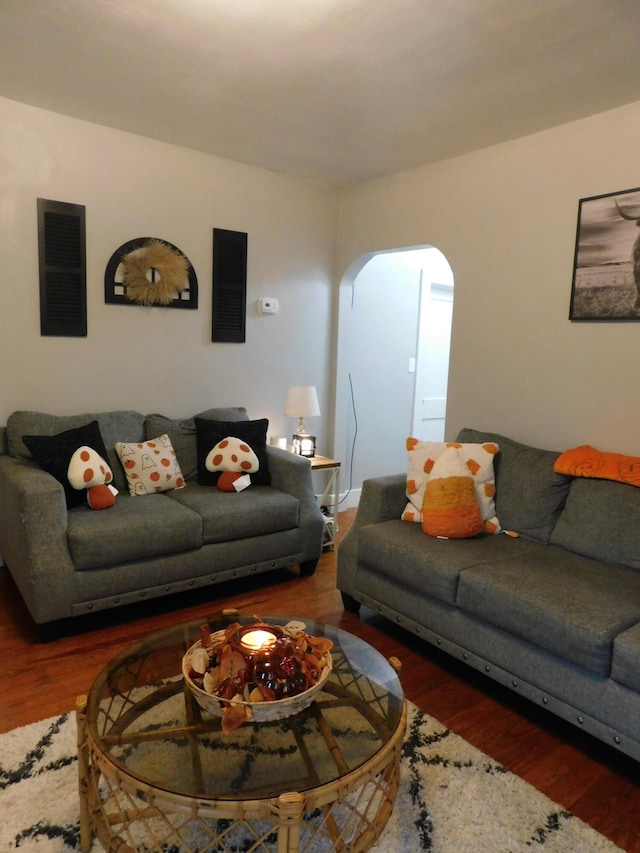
[{"x": 339, "y": 91}]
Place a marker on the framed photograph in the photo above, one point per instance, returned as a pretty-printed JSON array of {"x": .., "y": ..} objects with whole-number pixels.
[{"x": 606, "y": 265}]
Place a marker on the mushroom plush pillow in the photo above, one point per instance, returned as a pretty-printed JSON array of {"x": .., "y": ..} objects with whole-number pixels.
[
  {"x": 253, "y": 434},
  {"x": 88, "y": 470},
  {"x": 235, "y": 460},
  {"x": 54, "y": 454}
]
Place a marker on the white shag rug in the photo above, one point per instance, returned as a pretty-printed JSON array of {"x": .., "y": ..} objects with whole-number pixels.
[{"x": 452, "y": 799}]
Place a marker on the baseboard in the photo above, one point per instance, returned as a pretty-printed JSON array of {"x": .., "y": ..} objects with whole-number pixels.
[{"x": 350, "y": 499}]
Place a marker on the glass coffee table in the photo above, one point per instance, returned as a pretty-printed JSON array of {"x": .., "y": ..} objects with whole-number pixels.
[{"x": 156, "y": 773}]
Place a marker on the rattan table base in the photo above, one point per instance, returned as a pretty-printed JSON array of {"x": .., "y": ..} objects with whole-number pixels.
[
  {"x": 347, "y": 815},
  {"x": 157, "y": 774}
]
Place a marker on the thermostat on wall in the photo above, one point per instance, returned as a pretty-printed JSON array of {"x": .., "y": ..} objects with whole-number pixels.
[{"x": 268, "y": 305}]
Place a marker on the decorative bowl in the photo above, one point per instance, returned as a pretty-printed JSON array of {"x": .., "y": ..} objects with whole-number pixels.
[{"x": 264, "y": 711}]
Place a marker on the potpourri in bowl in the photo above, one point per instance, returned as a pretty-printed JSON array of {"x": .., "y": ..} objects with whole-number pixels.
[{"x": 257, "y": 672}]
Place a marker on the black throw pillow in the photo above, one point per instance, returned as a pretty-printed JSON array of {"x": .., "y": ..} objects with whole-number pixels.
[
  {"x": 253, "y": 433},
  {"x": 54, "y": 452}
]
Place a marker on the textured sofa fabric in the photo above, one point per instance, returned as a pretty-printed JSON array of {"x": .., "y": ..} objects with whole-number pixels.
[
  {"x": 388, "y": 545},
  {"x": 529, "y": 495},
  {"x": 601, "y": 519},
  {"x": 625, "y": 667},
  {"x": 69, "y": 561},
  {"x": 134, "y": 529},
  {"x": 570, "y": 605},
  {"x": 114, "y": 426},
  {"x": 258, "y": 510},
  {"x": 553, "y": 614}
]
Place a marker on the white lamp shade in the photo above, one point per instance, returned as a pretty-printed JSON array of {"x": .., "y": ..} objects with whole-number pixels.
[{"x": 302, "y": 402}]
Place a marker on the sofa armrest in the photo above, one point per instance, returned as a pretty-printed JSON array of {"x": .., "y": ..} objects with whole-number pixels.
[
  {"x": 33, "y": 538},
  {"x": 292, "y": 474},
  {"x": 381, "y": 499}
]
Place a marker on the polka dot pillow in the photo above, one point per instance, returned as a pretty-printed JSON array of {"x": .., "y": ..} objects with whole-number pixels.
[
  {"x": 478, "y": 461},
  {"x": 150, "y": 466}
]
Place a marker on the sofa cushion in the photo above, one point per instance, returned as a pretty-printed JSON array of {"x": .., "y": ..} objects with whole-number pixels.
[
  {"x": 625, "y": 666},
  {"x": 253, "y": 433},
  {"x": 236, "y": 515},
  {"x": 183, "y": 434},
  {"x": 114, "y": 426},
  {"x": 601, "y": 519},
  {"x": 150, "y": 466},
  {"x": 55, "y": 452},
  {"x": 530, "y": 495},
  {"x": 429, "y": 565},
  {"x": 569, "y": 605},
  {"x": 131, "y": 530}
]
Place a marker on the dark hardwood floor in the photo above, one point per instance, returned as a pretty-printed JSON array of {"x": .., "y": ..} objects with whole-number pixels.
[{"x": 590, "y": 779}]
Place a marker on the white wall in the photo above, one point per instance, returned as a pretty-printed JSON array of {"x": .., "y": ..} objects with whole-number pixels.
[
  {"x": 505, "y": 218},
  {"x": 159, "y": 359}
]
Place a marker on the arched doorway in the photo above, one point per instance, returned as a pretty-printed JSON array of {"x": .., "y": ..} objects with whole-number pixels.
[{"x": 393, "y": 360}]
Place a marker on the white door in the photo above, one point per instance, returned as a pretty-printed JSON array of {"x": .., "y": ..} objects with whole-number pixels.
[{"x": 432, "y": 362}]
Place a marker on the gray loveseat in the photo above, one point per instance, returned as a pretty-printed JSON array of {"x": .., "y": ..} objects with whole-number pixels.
[
  {"x": 68, "y": 561},
  {"x": 553, "y": 615}
]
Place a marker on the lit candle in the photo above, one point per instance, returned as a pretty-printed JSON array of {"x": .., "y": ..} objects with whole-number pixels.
[{"x": 254, "y": 640}]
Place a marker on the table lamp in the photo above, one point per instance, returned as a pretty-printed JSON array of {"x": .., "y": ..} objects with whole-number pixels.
[{"x": 302, "y": 402}]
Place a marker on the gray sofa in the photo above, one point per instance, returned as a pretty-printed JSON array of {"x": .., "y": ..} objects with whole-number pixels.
[
  {"x": 554, "y": 614},
  {"x": 68, "y": 561}
]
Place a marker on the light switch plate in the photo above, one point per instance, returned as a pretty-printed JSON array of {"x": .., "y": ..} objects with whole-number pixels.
[{"x": 268, "y": 305}]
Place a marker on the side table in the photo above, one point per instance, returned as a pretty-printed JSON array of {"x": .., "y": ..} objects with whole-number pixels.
[{"x": 330, "y": 497}]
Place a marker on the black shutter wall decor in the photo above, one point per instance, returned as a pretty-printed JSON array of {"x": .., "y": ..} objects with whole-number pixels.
[
  {"x": 63, "y": 268},
  {"x": 229, "y": 286}
]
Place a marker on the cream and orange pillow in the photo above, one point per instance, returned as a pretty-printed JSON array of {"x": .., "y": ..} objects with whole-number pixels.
[
  {"x": 450, "y": 508},
  {"x": 150, "y": 466},
  {"x": 477, "y": 459}
]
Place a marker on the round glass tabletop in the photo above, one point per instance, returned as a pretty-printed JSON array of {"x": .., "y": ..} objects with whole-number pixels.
[{"x": 143, "y": 720}]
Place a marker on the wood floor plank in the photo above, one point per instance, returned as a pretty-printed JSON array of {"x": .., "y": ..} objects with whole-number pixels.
[{"x": 596, "y": 783}]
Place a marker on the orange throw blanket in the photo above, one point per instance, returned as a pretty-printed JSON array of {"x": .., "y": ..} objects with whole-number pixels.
[{"x": 586, "y": 461}]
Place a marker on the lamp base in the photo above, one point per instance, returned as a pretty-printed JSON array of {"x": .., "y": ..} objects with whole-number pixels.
[{"x": 304, "y": 445}]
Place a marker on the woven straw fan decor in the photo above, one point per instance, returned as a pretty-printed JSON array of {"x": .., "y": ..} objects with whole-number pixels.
[{"x": 154, "y": 273}]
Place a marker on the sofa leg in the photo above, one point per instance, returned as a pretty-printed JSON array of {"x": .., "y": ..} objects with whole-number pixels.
[
  {"x": 49, "y": 631},
  {"x": 350, "y": 604},
  {"x": 307, "y": 568}
]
